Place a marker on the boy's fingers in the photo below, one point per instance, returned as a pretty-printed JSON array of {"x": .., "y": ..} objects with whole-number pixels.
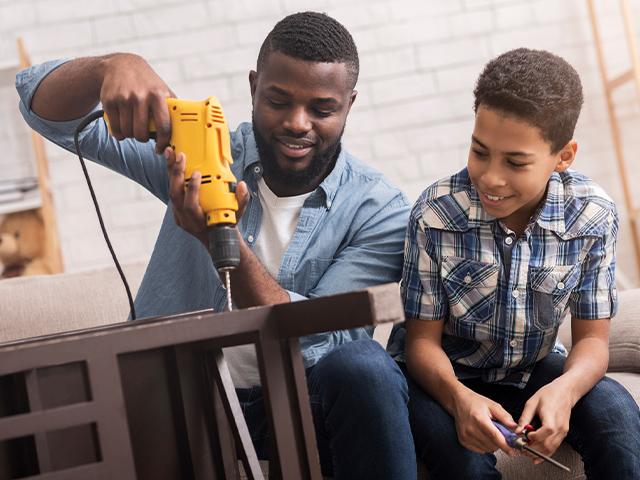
[{"x": 527, "y": 415}]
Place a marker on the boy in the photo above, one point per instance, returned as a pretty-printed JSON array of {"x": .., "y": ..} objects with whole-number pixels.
[{"x": 496, "y": 257}]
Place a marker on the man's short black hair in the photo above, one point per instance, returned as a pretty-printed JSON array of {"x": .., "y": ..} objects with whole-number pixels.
[
  {"x": 315, "y": 37},
  {"x": 536, "y": 86}
]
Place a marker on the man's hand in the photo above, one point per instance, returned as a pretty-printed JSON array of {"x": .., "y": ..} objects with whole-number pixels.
[
  {"x": 473, "y": 414},
  {"x": 187, "y": 212},
  {"x": 553, "y": 406},
  {"x": 132, "y": 92}
]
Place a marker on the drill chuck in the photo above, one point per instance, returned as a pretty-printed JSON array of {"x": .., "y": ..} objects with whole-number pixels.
[{"x": 224, "y": 247}]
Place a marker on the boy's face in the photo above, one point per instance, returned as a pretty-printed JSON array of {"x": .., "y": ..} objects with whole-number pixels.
[{"x": 510, "y": 164}]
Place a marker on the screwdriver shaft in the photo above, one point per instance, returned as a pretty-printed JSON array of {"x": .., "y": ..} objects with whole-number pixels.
[
  {"x": 547, "y": 458},
  {"x": 227, "y": 284}
]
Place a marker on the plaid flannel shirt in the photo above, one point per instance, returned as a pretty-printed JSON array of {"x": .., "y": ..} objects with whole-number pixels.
[{"x": 501, "y": 317}]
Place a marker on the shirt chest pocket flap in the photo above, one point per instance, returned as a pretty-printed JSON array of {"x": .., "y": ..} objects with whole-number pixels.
[
  {"x": 551, "y": 288},
  {"x": 471, "y": 288}
]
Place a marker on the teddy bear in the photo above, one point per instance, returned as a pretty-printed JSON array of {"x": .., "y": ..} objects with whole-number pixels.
[{"x": 22, "y": 244}]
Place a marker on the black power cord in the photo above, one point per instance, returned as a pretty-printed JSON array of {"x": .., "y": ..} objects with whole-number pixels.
[{"x": 86, "y": 121}]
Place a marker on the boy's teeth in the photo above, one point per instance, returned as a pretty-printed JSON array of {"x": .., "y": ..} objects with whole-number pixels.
[{"x": 491, "y": 197}]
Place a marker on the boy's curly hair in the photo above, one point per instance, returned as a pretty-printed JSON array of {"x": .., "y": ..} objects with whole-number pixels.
[{"x": 536, "y": 86}]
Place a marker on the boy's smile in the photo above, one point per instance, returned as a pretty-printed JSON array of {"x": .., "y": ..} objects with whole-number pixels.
[{"x": 510, "y": 164}]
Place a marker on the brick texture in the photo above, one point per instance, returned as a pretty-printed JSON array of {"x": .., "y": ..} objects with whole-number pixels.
[{"x": 412, "y": 118}]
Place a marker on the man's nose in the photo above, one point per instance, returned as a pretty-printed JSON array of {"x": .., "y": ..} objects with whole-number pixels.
[{"x": 297, "y": 121}]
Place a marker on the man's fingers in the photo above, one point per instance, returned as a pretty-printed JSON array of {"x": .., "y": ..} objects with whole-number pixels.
[
  {"x": 242, "y": 194},
  {"x": 176, "y": 180},
  {"x": 141, "y": 122},
  {"x": 191, "y": 199},
  {"x": 160, "y": 114}
]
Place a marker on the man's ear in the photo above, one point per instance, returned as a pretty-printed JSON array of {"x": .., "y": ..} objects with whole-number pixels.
[
  {"x": 352, "y": 99},
  {"x": 566, "y": 156},
  {"x": 253, "y": 82}
]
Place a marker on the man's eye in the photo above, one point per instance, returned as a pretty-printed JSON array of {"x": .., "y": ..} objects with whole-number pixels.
[
  {"x": 323, "y": 113},
  {"x": 480, "y": 153},
  {"x": 276, "y": 103}
]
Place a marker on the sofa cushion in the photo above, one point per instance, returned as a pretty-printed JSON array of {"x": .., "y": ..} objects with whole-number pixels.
[{"x": 46, "y": 304}]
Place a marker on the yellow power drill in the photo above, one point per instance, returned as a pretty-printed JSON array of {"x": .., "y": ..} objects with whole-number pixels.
[{"x": 200, "y": 131}]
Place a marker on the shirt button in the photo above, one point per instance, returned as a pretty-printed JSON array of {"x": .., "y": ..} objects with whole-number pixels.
[
  {"x": 328, "y": 203},
  {"x": 560, "y": 285},
  {"x": 250, "y": 238},
  {"x": 508, "y": 240},
  {"x": 467, "y": 279},
  {"x": 513, "y": 343},
  {"x": 256, "y": 169},
  {"x": 515, "y": 293}
]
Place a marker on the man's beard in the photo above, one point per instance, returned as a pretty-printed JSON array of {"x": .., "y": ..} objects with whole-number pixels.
[{"x": 321, "y": 163}]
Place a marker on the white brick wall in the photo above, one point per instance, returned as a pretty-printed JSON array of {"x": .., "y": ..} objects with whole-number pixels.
[{"x": 412, "y": 118}]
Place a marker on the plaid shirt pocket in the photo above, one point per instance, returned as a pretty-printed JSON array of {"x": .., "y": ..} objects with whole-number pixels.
[
  {"x": 471, "y": 290},
  {"x": 551, "y": 288}
]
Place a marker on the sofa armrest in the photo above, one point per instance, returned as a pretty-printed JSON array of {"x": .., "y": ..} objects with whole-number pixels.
[
  {"x": 624, "y": 337},
  {"x": 624, "y": 340}
]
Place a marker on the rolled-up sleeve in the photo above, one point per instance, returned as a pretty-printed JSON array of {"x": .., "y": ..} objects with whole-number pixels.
[
  {"x": 135, "y": 160},
  {"x": 595, "y": 296}
]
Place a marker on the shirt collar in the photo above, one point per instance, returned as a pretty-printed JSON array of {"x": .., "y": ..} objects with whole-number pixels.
[{"x": 551, "y": 215}]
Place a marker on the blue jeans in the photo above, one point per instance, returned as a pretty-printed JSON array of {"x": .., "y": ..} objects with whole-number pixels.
[
  {"x": 604, "y": 427},
  {"x": 359, "y": 404}
]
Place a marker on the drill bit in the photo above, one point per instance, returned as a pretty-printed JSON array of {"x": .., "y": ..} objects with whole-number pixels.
[{"x": 227, "y": 284}]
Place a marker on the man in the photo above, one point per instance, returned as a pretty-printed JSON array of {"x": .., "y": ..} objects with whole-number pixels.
[{"x": 316, "y": 221}]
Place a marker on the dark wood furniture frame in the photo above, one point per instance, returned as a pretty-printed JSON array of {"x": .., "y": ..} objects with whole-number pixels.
[{"x": 153, "y": 399}]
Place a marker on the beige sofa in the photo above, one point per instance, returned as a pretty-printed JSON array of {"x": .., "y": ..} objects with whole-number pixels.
[{"x": 42, "y": 305}]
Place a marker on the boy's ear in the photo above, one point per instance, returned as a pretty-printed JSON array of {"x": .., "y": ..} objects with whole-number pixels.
[{"x": 566, "y": 156}]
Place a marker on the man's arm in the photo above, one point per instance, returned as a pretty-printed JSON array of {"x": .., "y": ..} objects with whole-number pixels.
[
  {"x": 430, "y": 367},
  {"x": 128, "y": 88}
]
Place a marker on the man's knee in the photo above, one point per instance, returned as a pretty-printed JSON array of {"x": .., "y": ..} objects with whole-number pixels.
[{"x": 362, "y": 368}]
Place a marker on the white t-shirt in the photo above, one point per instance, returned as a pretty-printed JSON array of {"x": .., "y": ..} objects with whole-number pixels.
[{"x": 279, "y": 220}]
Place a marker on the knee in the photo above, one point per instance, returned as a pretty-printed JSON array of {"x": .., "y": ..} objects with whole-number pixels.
[
  {"x": 608, "y": 405},
  {"x": 361, "y": 368}
]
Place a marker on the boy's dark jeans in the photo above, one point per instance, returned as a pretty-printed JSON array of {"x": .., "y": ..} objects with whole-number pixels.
[
  {"x": 359, "y": 405},
  {"x": 604, "y": 427}
]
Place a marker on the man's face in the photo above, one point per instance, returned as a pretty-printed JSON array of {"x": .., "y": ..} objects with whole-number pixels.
[
  {"x": 299, "y": 113},
  {"x": 510, "y": 164}
]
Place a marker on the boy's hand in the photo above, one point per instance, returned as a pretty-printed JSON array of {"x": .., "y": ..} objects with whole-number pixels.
[
  {"x": 473, "y": 414},
  {"x": 552, "y": 403},
  {"x": 187, "y": 212}
]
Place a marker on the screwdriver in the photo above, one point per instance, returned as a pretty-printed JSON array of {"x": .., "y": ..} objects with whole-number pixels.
[{"x": 520, "y": 442}]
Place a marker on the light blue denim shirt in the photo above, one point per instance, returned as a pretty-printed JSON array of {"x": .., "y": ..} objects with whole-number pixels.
[{"x": 349, "y": 236}]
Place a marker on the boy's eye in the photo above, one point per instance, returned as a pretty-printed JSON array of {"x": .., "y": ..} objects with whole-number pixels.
[{"x": 515, "y": 164}]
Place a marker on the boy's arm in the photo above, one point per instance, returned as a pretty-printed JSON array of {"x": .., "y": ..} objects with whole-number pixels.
[
  {"x": 584, "y": 367},
  {"x": 430, "y": 367},
  {"x": 593, "y": 303}
]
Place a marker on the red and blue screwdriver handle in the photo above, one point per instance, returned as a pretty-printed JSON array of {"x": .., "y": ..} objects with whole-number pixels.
[
  {"x": 513, "y": 439},
  {"x": 519, "y": 441}
]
